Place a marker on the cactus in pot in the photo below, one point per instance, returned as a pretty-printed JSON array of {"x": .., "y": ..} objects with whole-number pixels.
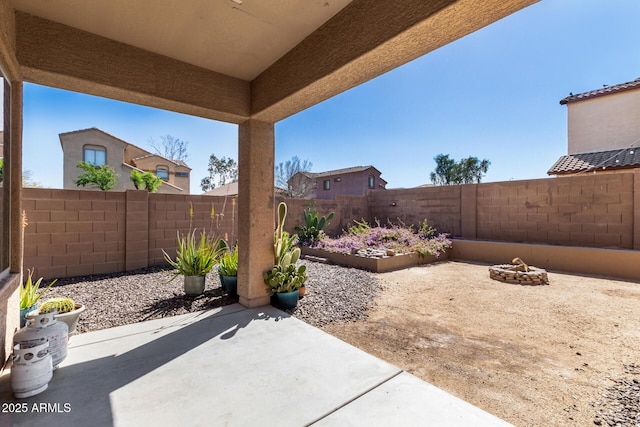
[
  {"x": 285, "y": 278},
  {"x": 61, "y": 305},
  {"x": 68, "y": 311}
]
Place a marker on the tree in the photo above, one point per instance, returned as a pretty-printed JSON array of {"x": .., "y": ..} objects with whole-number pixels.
[
  {"x": 26, "y": 177},
  {"x": 145, "y": 180},
  {"x": 466, "y": 171},
  {"x": 170, "y": 148},
  {"x": 221, "y": 171},
  {"x": 102, "y": 177},
  {"x": 28, "y": 181},
  {"x": 285, "y": 171}
]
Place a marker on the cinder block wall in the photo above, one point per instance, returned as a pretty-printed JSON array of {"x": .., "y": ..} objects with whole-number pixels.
[
  {"x": 72, "y": 232},
  {"x": 441, "y": 206},
  {"x": 588, "y": 210},
  {"x": 170, "y": 214},
  {"x": 345, "y": 209}
]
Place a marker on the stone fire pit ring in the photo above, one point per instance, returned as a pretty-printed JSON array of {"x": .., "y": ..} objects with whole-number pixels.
[{"x": 512, "y": 273}]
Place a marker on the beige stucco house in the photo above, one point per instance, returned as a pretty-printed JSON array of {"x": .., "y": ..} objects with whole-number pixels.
[
  {"x": 98, "y": 147},
  {"x": 355, "y": 181},
  {"x": 603, "y": 130}
]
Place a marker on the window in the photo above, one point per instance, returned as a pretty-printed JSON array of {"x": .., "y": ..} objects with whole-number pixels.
[
  {"x": 182, "y": 174},
  {"x": 314, "y": 185},
  {"x": 372, "y": 182},
  {"x": 162, "y": 172},
  {"x": 327, "y": 184},
  {"x": 96, "y": 156}
]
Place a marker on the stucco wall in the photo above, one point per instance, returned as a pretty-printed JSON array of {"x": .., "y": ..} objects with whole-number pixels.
[{"x": 604, "y": 123}]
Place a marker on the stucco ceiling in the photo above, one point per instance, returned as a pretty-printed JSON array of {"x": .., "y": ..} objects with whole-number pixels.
[{"x": 239, "y": 38}]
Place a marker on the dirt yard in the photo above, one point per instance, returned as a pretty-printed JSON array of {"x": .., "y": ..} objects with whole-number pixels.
[{"x": 533, "y": 356}]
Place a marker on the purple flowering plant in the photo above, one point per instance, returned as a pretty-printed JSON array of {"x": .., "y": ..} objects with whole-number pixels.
[{"x": 396, "y": 237}]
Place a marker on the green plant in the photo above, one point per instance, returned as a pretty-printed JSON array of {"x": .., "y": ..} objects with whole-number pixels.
[
  {"x": 229, "y": 263},
  {"x": 102, "y": 177},
  {"x": 195, "y": 256},
  {"x": 145, "y": 181},
  {"x": 29, "y": 294},
  {"x": 285, "y": 279},
  {"x": 311, "y": 232},
  {"x": 359, "y": 227},
  {"x": 61, "y": 305},
  {"x": 285, "y": 276}
]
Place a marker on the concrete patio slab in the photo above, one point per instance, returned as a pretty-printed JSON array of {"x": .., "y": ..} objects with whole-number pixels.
[{"x": 231, "y": 366}]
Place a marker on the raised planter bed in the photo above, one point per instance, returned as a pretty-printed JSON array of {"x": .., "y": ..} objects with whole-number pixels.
[{"x": 376, "y": 265}]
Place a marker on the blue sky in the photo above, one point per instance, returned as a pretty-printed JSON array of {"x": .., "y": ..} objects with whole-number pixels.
[{"x": 493, "y": 94}]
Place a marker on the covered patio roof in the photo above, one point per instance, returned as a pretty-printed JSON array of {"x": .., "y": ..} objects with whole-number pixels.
[{"x": 247, "y": 62}]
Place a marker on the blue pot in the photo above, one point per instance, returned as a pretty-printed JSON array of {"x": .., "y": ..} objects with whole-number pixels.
[
  {"x": 24, "y": 312},
  {"x": 222, "y": 284},
  {"x": 287, "y": 300},
  {"x": 230, "y": 284}
]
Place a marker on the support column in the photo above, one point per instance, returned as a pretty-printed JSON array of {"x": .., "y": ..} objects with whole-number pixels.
[
  {"x": 256, "y": 144},
  {"x": 15, "y": 177}
]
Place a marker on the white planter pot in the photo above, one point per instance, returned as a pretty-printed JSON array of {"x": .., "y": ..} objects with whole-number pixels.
[{"x": 71, "y": 318}]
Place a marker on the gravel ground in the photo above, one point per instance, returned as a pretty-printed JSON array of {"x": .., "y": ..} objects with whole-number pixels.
[
  {"x": 334, "y": 294},
  {"x": 336, "y": 298},
  {"x": 124, "y": 298}
]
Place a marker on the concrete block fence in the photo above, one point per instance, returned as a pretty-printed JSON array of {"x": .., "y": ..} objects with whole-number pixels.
[{"x": 75, "y": 232}]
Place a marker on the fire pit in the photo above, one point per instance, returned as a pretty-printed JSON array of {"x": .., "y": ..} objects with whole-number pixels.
[{"x": 518, "y": 273}]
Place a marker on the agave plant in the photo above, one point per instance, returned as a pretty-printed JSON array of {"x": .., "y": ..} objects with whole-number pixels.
[
  {"x": 229, "y": 263},
  {"x": 29, "y": 294},
  {"x": 195, "y": 256}
]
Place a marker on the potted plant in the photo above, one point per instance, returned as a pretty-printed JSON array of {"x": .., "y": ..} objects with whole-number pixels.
[
  {"x": 195, "y": 258},
  {"x": 228, "y": 270},
  {"x": 68, "y": 311},
  {"x": 285, "y": 278},
  {"x": 29, "y": 296}
]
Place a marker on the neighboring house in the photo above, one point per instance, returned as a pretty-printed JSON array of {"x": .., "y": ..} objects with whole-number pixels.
[
  {"x": 230, "y": 189},
  {"x": 326, "y": 185},
  {"x": 604, "y": 130},
  {"x": 98, "y": 147}
]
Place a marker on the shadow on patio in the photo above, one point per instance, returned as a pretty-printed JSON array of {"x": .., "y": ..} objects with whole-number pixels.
[{"x": 232, "y": 366}]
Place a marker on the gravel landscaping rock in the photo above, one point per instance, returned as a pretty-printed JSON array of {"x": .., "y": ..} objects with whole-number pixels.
[
  {"x": 123, "y": 298},
  {"x": 334, "y": 294},
  {"x": 621, "y": 405}
]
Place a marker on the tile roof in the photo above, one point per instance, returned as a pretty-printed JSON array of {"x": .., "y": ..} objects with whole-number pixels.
[
  {"x": 607, "y": 90},
  {"x": 626, "y": 158},
  {"x": 230, "y": 189},
  {"x": 339, "y": 171}
]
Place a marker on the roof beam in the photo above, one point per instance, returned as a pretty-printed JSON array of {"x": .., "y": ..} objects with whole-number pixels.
[
  {"x": 364, "y": 40},
  {"x": 57, "y": 55}
]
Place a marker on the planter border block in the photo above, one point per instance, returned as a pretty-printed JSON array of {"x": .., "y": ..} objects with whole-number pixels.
[{"x": 376, "y": 265}]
